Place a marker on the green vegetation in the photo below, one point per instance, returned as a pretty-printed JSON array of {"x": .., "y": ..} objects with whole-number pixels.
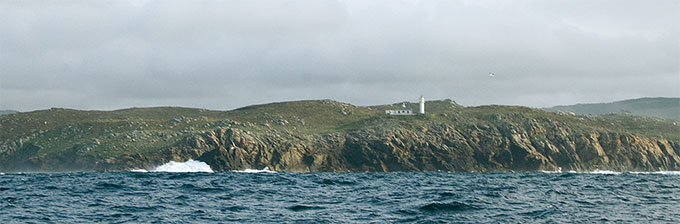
[
  {"x": 660, "y": 107},
  {"x": 647, "y": 126},
  {"x": 105, "y": 134},
  {"x": 307, "y": 117}
]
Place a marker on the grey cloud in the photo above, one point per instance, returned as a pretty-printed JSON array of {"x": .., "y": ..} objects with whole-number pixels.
[{"x": 227, "y": 54}]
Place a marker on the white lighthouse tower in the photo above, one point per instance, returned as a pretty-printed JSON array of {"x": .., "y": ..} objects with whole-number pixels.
[{"x": 422, "y": 105}]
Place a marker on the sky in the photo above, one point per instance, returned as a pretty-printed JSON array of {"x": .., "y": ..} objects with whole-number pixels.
[{"x": 104, "y": 55}]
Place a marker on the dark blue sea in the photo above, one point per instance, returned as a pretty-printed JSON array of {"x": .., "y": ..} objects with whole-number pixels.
[{"x": 434, "y": 197}]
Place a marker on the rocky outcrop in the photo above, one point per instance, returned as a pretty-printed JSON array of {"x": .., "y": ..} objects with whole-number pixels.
[
  {"x": 431, "y": 148},
  {"x": 485, "y": 142}
]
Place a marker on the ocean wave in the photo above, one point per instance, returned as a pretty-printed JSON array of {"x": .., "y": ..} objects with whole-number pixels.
[
  {"x": 659, "y": 172},
  {"x": 298, "y": 208},
  {"x": 265, "y": 170},
  {"x": 411, "y": 197},
  {"x": 451, "y": 206},
  {"x": 138, "y": 170},
  {"x": 609, "y": 172},
  {"x": 184, "y": 167}
]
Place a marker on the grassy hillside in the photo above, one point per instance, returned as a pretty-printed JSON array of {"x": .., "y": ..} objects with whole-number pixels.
[
  {"x": 668, "y": 108},
  {"x": 104, "y": 134},
  {"x": 110, "y": 133}
]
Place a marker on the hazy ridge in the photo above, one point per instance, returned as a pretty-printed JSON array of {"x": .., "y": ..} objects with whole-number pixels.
[
  {"x": 660, "y": 107},
  {"x": 3, "y": 112}
]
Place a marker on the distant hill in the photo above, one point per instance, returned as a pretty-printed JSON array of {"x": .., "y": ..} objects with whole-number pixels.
[
  {"x": 652, "y": 107},
  {"x": 3, "y": 112}
]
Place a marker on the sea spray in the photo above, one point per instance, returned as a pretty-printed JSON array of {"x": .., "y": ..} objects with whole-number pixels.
[
  {"x": 182, "y": 167},
  {"x": 659, "y": 172},
  {"x": 265, "y": 170},
  {"x": 610, "y": 172}
]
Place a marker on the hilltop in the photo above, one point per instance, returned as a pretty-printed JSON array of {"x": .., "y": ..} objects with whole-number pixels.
[
  {"x": 326, "y": 135},
  {"x": 660, "y": 107}
]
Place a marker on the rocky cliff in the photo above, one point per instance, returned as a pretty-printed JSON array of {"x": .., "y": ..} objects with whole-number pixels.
[{"x": 342, "y": 137}]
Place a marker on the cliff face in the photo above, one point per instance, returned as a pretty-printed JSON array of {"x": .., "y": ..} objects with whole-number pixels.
[
  {"x": 439, "y": 147},
  {"x": 517, "y": 141}
]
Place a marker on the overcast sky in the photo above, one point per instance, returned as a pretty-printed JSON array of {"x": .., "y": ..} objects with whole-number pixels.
[{"x": 227, "y": 54}]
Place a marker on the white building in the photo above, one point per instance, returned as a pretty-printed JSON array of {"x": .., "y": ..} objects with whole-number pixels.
[
  {"x": 399, "y": 112},
  {"x": 408, "y": 112}
]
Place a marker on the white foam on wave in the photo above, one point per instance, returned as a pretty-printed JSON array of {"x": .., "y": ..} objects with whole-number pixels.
[
  {"x": 265, "y": 170},
  {"x": 184, "y": 167},
  {"x": 659, "y": 172},
  {"x": 609, "y": 172},
  {"x": 138, "y": 170},
  {"x": 604, "y": 172},
  {"x": 583, "y": 172},
  {"x": 550, "y": 171}
]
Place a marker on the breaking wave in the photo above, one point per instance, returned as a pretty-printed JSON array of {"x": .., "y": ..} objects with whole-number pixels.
[
  {"x": 609, "y": 172},
  {"x": 265, "y": 170},
  {"x": 604, "y": 172},
  {"x": 184, "y": 167},
  {"x": 659, "y": 172}
]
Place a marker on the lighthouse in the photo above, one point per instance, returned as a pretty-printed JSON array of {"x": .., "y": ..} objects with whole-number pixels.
[{"x": 422, "y": 105}]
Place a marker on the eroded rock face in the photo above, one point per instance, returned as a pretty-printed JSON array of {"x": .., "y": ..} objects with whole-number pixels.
[{"x": 432, "y": 147}]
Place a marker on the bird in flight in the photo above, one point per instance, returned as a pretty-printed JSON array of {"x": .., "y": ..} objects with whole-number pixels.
[{"x": 492, "y": 74}]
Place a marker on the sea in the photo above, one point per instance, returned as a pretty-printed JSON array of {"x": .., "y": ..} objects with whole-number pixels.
[{"x": 191, "y": 193}]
